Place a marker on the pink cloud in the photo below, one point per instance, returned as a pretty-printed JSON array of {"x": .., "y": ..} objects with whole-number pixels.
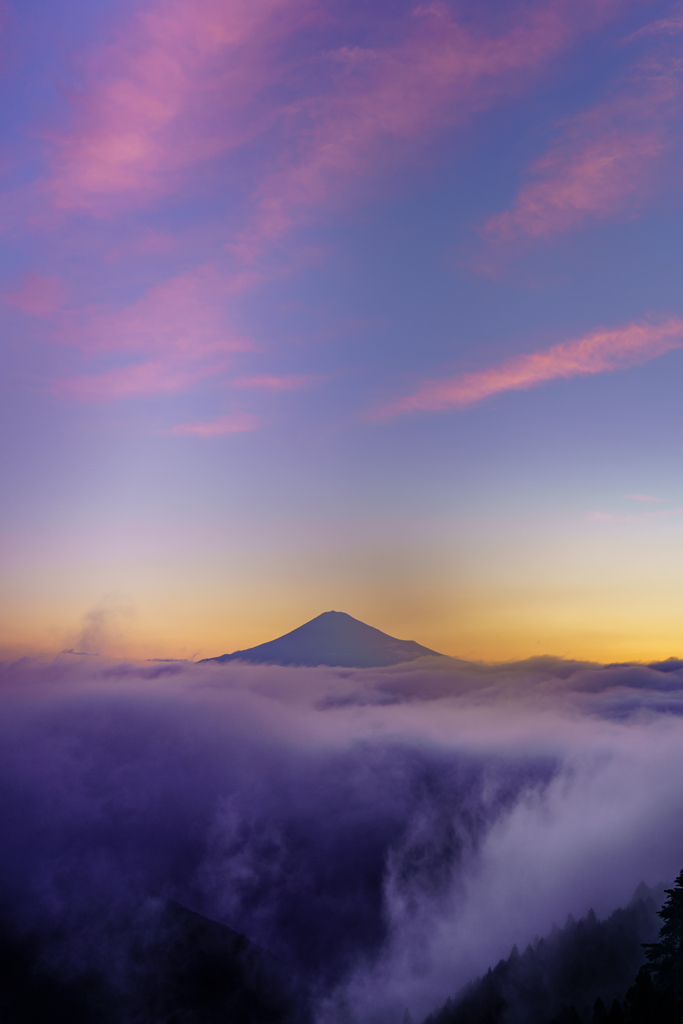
[
  {"x": 271, "y": 383},
  {"x": 643, "y": 497},
  {"x": 608, "y": 517},
  {"x": 385, "y": 99},
  {"x": 186, "y": 314},
  {"x": 37, "y": 295},
  {"x": 594, "y": 353},
  {"x": 175, "y": 88},
  {"x": 186, "y": 81},
  {"x": 664, "y": 26},
  {"x": 602, "y": 165},
  {"x": 140, "y": 380},
  {"x": 181, "y": 325},
  {"x": 233, "y": 423}
]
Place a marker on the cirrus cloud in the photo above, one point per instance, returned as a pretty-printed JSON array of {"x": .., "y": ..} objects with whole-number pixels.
[
  {"x": 270, "y": 382},
  {"x": 603, "y": 163},
  {"x": 670, "y": 26},
  {"x": 597, "y": 352},
  {"x": 608, "y": 517},
  {"x": 232, "y": 423},
  {"x": 175, "y": 88},
  {"x": 181, "y": 325},
  {"x": 440, "y": 73}
]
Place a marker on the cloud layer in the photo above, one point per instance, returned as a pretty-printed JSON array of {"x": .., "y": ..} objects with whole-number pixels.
[{"x": 388, "y": 833}]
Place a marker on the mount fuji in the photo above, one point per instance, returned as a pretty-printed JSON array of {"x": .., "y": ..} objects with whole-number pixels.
[{"x": 333, "y": 638}]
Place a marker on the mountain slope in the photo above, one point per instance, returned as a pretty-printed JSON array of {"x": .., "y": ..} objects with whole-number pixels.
[
  {"x": 333, "y": 638},
  {"x": 559, "y": 979},
  {"x": 171, "y": 966},
  {"x": 191, "y": 970}
]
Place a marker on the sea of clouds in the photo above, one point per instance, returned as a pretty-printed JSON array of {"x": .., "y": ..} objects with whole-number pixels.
[{"x": 388, "y": 833}]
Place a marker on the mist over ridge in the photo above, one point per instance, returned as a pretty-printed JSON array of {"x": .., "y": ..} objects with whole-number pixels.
[{"x": 388, "y": 833}]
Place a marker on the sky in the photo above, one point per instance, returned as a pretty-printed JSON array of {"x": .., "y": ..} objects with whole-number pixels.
[{"x": 314, "y": 304}]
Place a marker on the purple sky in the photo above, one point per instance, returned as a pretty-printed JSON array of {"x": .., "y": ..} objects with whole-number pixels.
[{"x": 314, "y": 305}]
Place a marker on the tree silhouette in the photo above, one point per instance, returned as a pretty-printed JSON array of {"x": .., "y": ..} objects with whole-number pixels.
[
  {"x": 643, "y": 1003},
  {"x": 599, "y": 1012},
  {"x": 666, "y": 956},
  {"x": 616, "y": 1014},
  {"x": 657, "y": 994}
]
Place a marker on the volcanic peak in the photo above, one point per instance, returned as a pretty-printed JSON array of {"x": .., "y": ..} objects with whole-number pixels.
[{"x": 333, "y": 638}]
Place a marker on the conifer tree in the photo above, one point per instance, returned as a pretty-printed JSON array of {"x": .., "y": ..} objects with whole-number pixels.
[
  {"x": 666, "y": 956},
  {"x": 599, "y": 1012},
  {"x": 657, "y": 995},
  {"x": 644, "y": 1005},
  {"x": 616, "y": 1014}
]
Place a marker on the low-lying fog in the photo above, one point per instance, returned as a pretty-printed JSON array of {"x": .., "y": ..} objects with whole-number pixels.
[{"x": 389, "y": 833}]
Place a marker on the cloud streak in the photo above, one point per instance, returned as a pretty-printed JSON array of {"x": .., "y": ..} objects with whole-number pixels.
[
  {"x": 181, "y": 325},
  {"x": 610, "y": 517},
  {"x": 598, "y": 352},
  {"x": 382, "y": 100},
  {"x": 670, "y": 26},
  {"x": 231, "y": 423},
  {"x": 224, "y": 94},
  {"x": 37, "y": 295},
  {"x": 277, "y": 116},
  {"x": 603, "y": 163},
  {"x": 185, "y": 83},
  {"x": 270, "y": 382},
  {"x": 175, "y": 89}
]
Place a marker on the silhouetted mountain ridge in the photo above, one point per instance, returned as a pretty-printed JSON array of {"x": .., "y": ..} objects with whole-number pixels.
[
  {"x": 336, "y": 639},
  {"x": 173, "y": 966}
]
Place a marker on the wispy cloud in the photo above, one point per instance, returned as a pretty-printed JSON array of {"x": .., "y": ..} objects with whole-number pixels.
[
  {"x": 232, "y": 423},
  {"x": 187, "y": 82},
  {"x": 609, "y": 517},
  {"x": 670, "y": 26},
  {"x": 37, "y": 295},
  {"x": 594, "y": 353},
  {"x": 175, "y": 88},
  {"x": 155, "y": 377},
  {"x": 603, "y": 163},
  {"x": 272, "y": 383},
  {"x": 383, "y": 100},
  {"x": 181, "y": 325},
  {"x": 643, "y": 497}
]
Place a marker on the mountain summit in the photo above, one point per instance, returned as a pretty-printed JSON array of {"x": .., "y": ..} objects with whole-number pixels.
[{"x": 333, "y": 638}]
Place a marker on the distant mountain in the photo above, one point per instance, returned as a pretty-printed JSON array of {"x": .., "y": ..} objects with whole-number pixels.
[{"x": 333, "y": 638}]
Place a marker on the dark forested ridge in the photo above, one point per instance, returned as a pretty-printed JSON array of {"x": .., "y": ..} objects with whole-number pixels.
[
  {"x": 177, "y": 967},
  {"x": 589, "y": 972}
]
